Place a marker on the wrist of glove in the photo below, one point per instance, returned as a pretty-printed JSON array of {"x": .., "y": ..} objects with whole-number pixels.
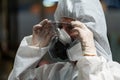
[{"x": 88, "y": 47}]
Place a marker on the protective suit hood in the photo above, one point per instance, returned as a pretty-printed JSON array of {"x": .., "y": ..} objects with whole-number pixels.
[{"x": 92, "y": 16}]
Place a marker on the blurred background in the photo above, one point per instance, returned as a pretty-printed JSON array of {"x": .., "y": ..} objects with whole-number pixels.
[{"x": 17, "y": 18}]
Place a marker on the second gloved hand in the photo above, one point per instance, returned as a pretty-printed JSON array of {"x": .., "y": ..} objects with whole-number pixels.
[
  {"x": 81, "y": 32},
  {"x": 42, "y": 34}
]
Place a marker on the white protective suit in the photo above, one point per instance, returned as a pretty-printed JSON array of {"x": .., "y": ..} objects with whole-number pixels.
[{"x": 99, "y": 67}]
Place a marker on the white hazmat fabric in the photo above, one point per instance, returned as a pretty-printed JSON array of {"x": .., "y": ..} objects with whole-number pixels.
[{"x": 87, "y": 67}]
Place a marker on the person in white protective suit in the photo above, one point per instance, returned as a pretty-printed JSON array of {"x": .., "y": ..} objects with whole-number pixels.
[{"x": 89, "y": 55}]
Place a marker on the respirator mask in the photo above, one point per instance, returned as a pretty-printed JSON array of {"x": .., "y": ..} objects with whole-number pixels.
[{"x": 61, "y": 42}]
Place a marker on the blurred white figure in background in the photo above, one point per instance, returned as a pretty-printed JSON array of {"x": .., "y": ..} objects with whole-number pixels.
[{"x": 89, "y": 55}]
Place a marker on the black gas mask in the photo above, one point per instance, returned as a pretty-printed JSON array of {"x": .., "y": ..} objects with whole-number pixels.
[{"x": 61, "y": 42}]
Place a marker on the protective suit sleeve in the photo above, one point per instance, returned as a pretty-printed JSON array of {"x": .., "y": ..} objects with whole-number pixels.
[
  {"x": 27, "y": 57},
  {"x": 97, "y": 68}
]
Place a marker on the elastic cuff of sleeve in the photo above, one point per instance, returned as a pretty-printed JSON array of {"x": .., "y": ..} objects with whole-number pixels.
[{"x": 90, "y": 52}]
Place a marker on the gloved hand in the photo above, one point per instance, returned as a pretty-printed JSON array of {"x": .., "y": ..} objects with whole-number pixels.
[
  {"x": 42, "y": 34},
  {"x": 82, "y": 33}
]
